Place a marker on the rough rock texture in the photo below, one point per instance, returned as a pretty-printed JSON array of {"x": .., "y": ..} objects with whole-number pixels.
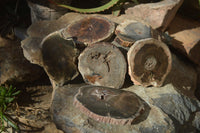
[
  {"x": 13, "y": 66},
  {"x": 178, "y": 107},
  {"x": 158, "y": 15},
  {"x": 186, "y": 37},
  {"x": 169, "y": 111},
  {"x": 70, "y": 119}
]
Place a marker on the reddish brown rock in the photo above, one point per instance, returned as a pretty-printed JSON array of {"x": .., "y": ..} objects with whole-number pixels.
[
  {"x": 109, "y": 105},
  {"x": 186, "y": 37},
  {"x": 149, "y": 62},
  {"x": 90, "y": 29},
  {"x": 158, "y": 15}
]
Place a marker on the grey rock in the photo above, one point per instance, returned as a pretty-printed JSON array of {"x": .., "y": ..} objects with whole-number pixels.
[
  {"x": 178, "y": 107},
  {"x": 196, "y": 121},
  {"x": 69, "y": 118}
]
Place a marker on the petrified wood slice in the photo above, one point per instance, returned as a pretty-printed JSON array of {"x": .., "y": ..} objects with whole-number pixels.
[
  {"x": 103, "y": 64},
  {"x": 90, "y": 30},
  {"x": 109, "y": 105},
  {"x": 149, "y": 62},
  {"x": 59, "y": 58},
  {"x": 130, "y": 31}
]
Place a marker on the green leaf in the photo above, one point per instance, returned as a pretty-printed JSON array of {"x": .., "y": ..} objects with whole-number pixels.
[
  {"x": 10, "y": 123},
  {"x": 16, "y": 93},
  {"x": 9, "y": 99},
  {"x": 3, "y": 92},
  {"x": 7, "y": 95}
]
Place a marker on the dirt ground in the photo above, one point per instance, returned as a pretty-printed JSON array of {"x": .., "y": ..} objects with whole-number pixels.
[{"x": 31, "y": 111}]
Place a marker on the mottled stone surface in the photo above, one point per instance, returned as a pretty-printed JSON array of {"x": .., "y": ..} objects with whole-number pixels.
[
  {"x": 13, "y": 66},
  {"x": 158, "y": 15}
]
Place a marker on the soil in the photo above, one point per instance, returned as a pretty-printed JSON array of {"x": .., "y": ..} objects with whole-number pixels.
[{"x": 31, "y": 110}]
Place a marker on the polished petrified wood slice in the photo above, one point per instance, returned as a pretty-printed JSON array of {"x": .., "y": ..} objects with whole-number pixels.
[
  {"x": 59, "y": 58},
  {"x": 103, "y": 64},
  {"x": 109, "y": 105},
  {"x": 130, "y": 31},
  {"x": 149, "y": 62},
  {"x": 90, "y": 30}
]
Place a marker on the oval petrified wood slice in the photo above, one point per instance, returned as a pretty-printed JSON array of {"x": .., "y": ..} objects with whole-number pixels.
[
  {"x": 109, "y": 105},
  {"x": 90, "y": 30},
  {"x": 149, "y": 62},
  {"x": 59, "y": 58},
  {"x": 130, "y": 31},
  {"x": 103, "y": 64}
]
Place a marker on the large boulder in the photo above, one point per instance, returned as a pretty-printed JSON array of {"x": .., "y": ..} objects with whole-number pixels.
[
  {"x": 69, "y": 118},
  {"x": 169, "y": 111}
]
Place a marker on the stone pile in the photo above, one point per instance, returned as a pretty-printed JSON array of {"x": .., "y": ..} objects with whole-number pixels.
[{"x": 163, "y": 82}]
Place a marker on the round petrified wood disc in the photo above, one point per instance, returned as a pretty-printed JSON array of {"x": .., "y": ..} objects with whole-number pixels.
[
  {"x": 103, "y": 64},
  {"x": 149, "y": 62},
  {"x": 90, "y": 30},
  {"x": 59, "y": 56},
  {"x": 109, "y": 105},
  {"x": 130, "y": 31}
]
